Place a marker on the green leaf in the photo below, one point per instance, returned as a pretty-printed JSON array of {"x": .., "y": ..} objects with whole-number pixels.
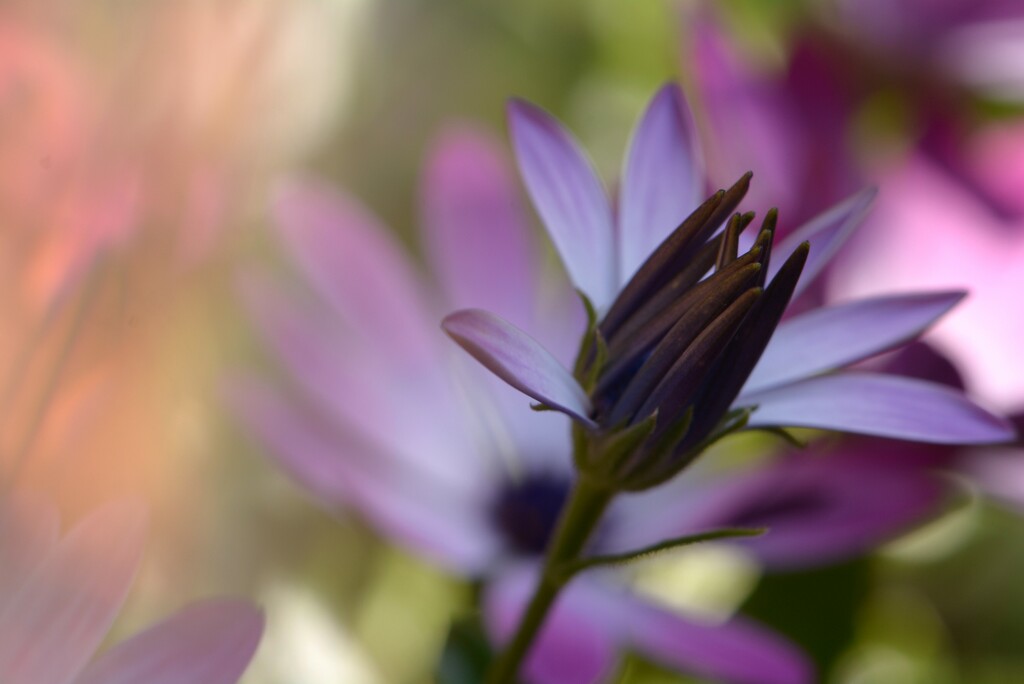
[
  {"x": 467, "y": 653},
  {"x": 674, "y": 543}
]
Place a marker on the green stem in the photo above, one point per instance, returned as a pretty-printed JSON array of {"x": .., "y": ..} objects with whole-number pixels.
[{"x": 582, "y": 512}]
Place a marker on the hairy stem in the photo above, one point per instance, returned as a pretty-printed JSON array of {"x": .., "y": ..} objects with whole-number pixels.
[{"x": 580, "y": 516}]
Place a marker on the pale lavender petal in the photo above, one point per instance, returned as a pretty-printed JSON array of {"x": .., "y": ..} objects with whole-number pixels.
[
  {"x": 206, "y": 643},
  {"x": 29, "y": 525},
  {"x": 735, "y": 652},
  {"x": 54, "y": 624},
  {"x": 519, "y": 360},
  {"x": 663, "y": 181},
  {"x": 366, "y": 392},
  {"x": 569, "y": 198},
  {"x": 575, "y": 644},
  {"x": 879, "y": 405},
  {"x": 357, "y": 267},
  {"x": 836, "y": 336},
  {"x": 442, "y": 524},
  {"x": 475, "y": 231},
  {"x": 827, "y": 233}
]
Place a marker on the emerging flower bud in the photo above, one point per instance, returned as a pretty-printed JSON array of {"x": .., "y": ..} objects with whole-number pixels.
[{"x": 677, "y": 347}]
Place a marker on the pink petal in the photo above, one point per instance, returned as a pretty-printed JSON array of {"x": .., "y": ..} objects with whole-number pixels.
[
  {"x": 829, "y": 338},
  {"x": 663, "y": 181},
  {"x": 569, "y": 198},
  {"x": 519, "y": 360},
  {"x": 475, "y": 232},
  {"x": 29, "y": 526},
  {"x": 879, "y": 405},
  {"x": 206, "y": 643},
  {"x": 51, "y": 628}
]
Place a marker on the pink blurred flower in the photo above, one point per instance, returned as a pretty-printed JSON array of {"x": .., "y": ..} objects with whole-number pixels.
[
  {"x": 933, "y": 229},
  {"x": 60, "y": 595},
  {"x": 149, "y": 143}
]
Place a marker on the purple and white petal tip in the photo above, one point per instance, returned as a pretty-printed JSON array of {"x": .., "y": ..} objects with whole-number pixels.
[
  {"x": 663, "y": 178},
  {"x": 832, "y": 337},
  {"x": 881, "y": 406},
  {"x": 519, "y": 360},
  {"x": 827, "y": 233},
  {"x": 569, "y": 198}
]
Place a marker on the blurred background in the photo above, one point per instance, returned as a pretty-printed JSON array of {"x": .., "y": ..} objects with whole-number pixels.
[{"x": 140, "y": 145}]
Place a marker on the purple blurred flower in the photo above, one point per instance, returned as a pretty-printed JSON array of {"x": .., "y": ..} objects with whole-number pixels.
[
  {"x": 976, "y": 42},
  {"x": 59, "y": 597},
  {"x": 384, "y": 416}
]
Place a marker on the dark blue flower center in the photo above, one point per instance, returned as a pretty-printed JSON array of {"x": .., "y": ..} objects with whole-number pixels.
[{"x": 526, "y": 511}]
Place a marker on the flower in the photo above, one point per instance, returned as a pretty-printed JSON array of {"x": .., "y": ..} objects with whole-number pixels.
[
  {"x": 382, "y": 415},
  {"x": 58, "y": 598},
  {"x": 690, "y": 358}
]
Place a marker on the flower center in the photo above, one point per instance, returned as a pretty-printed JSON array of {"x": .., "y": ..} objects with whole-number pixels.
[{"x": 526, "y": 511}]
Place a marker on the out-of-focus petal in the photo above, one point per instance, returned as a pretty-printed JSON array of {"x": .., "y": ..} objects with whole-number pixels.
[
  {"x": 575, "y": 644},
  {"x": 595, "y": 619},
  {"x": 519, "y": 360},
  {"x": 357, "y": 268},
  {"x": 29, "y": 526},
  {"x": 735, "y": 652},
  {"x": 663, "y": 180},
  {"x": 749, "y": 124},
  {"x": 988, "y": 56},
  {"x": 820, "y": 508},
  {"x": 206, "y": 643},
  {"x": 51, "y": 628},
  {"x": 879, "y": 405},
  {"x": 930, "y": 231},
  {"x": 827, "y": 233},
  {"x": 829, "y": 338},
  {"x": 437, "y": 522},
  {"x": 366, "y": 393},
  {"x": 999, "y": 474},
  {"x": 569, "y": 198},
  {"x": 475, "y": 232}
]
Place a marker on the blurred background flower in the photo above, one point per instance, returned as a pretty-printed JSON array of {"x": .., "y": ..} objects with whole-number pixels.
[{"x": 138, "y": 145}]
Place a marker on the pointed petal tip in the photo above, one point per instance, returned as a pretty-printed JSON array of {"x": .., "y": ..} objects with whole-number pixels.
[{"x": 519, "y": 360}]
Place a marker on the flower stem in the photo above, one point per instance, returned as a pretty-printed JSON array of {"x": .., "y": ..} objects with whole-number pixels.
[{"x": 582, "y": 512}]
